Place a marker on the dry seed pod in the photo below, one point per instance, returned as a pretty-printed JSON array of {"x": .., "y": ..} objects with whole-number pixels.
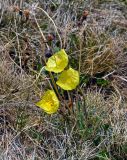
[
  {"x": 85, "y": 14},
  {"x": 50, "y": 37},
  {"x": 26, "y": 14},
  {"x": 83, "y": 17}
]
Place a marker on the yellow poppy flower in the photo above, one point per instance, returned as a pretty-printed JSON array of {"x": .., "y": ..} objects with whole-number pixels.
[
  {"x": 68, "y": 79},
  {"x": 49, "y": 102},
  {"x": 57, "y": 62}
]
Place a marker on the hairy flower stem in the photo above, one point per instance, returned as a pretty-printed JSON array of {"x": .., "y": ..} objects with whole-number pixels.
[
  {"x": 54, "y": 84},
  {"x": 55, "y": 27},
  {"x": 85, "y": 110},
  {"x": 50, "y": 74}
]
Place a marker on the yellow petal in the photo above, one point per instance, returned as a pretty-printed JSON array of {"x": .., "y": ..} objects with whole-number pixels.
[
  {"x": 57, "y": 62},
  {"x": 69, "y": 79},
  {"x": 49, "y": 102}
]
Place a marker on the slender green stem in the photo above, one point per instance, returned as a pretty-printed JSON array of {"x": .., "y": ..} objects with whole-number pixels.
[
  {"x": 44, "y": 39},
  {"x": 55, "y": 27},
  {"x": 85, "y": 109},
  {"x": 80, "y": 56},
  {"x": 55, "y": 86}
]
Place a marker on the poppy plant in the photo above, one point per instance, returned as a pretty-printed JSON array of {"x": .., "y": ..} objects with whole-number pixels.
[
  {"x": 49, "y": 102},
  {"x": 68, "y": 79},
  {"x": 57, "y": 62}
]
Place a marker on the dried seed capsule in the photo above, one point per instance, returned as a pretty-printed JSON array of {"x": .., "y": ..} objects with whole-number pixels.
[
  {"x": 50, "y": 37},
  {"x": 26, "y": 14},
  {"x": 85, "y": 14}
]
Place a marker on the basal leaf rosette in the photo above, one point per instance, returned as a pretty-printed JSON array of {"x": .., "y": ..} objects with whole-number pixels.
[
  {"x": 57, "y": 62},
  {"x": 49, "y": 102},
  {"x": 69, "y": 79}
]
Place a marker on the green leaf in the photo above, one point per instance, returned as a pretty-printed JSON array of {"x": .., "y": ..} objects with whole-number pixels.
[{"x": 102, "y": 82}]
